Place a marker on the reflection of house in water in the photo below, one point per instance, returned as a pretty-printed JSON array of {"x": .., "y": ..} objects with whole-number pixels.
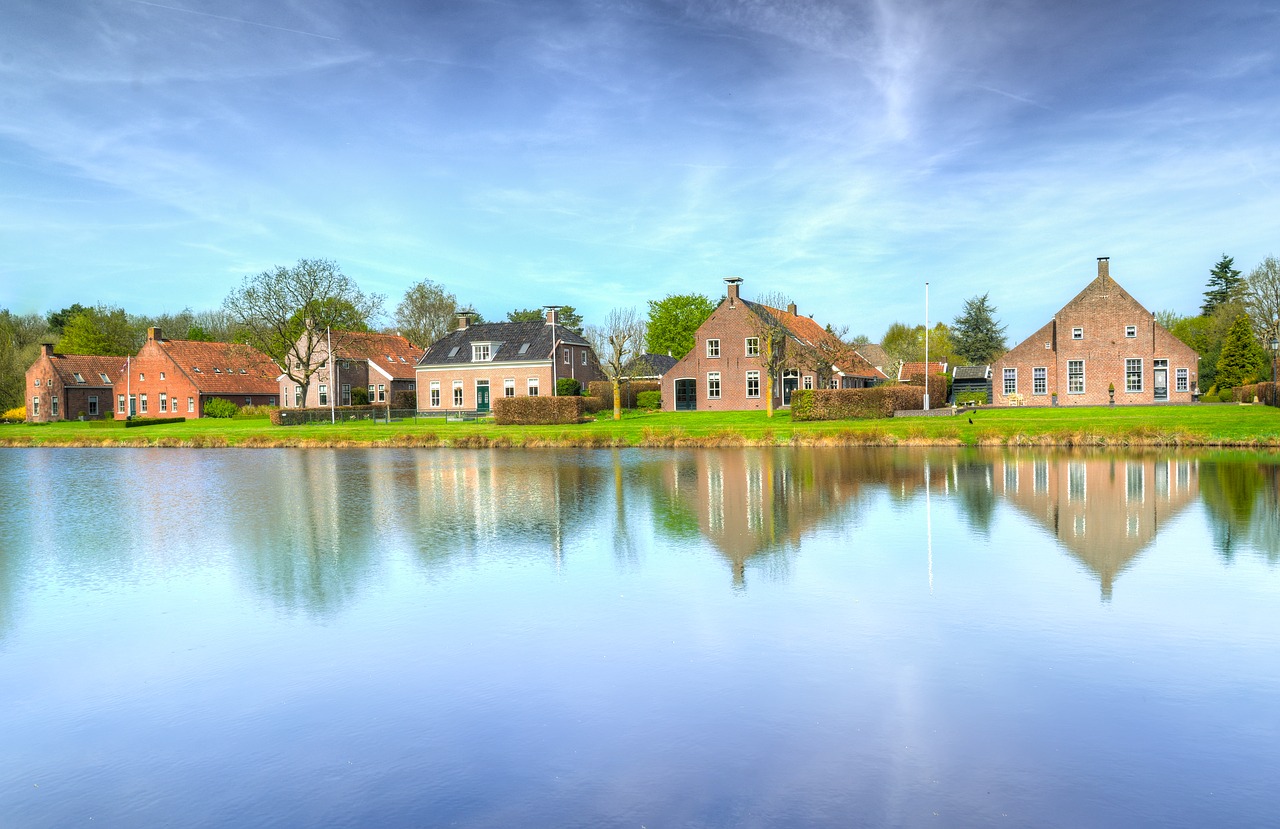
[{"x": 1104, "y": 510}]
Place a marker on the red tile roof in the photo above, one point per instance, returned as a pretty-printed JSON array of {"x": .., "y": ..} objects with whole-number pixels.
[
  {"x": 391, "y": 353},
  {"x": 223, "y": 368},
  {"x": 910, "y": 370},
  {"x": 847, "y": 360},
  {"x": 87, "y": 366}
]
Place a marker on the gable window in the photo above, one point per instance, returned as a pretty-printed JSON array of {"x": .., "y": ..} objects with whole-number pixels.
[
  {"x": 753, "y": 346},
  {"x": 1075, "y": 376},
  {"x": 509, "y": 387},
  {"x": 713, "y": 348},
  {"x": 753, "y": 384},
  {"x": 1040, "y": 380},
  {"x": 1131, "y": 331},
  {"x": 713, "y": 385},
  {"x": 324, "y": 395},
  {"x": 37, "y": 382},
  {"x": 191, "y": 405},
  {"x": 142, "y": 377},
  {"x": 480, "y": 352},
  {"x": 457, "y": 393},
  {"x": 1010, "y": 381},
  {"x": 1133, "y": 375},
  {"x": 532, "y": 387},
  {"x": 164, "y": 402},
  {"x": 162, "y": 375},
  {"x": 1180, "y": 379},
  {"x": 1077, "y": 333},
  {"x": 435, "y": 394}
]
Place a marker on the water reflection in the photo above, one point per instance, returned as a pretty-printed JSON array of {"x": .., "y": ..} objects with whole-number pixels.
[{"x": 1241, "y": 500}]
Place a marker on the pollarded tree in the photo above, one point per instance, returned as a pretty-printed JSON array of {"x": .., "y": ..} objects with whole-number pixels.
[
  {"x": 1224, "y": 282},
  {"x": 976, "y": 335},
  {"x": 272, "y": 310},
  {"x": 673, "y": 321},
  {"x": 1242, "y": 361},
  {"x": 618, "y": 344}
]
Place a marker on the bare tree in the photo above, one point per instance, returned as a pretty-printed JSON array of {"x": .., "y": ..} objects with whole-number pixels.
[
  {"x": 773, "y": 337},
  {"x": 274, "y": 310},
  {"x": 618, "y": 344},
  {"x": 426, "y": 313},
  {"x": 1262, "y": 298}
]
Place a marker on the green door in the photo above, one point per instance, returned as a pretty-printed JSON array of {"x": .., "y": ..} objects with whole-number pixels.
[{"x": 482, "y": 397}]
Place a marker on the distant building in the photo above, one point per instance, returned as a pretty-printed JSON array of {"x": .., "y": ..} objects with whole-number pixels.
[
  {"x": 471, "y": 365},
  {"x": 175, "y": 378},
  {"x": 649, "y": 367},
  {"x": 68, "y": 386},
  {"x": 874, "y": 354},
  {"x": 907, "y": 371},
  {"x": 968, "y": 380},
  {"x": 384, "y": 364},
  {"x": 1101, "y": 338}
]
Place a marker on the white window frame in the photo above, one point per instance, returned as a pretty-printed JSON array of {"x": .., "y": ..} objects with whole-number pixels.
[
  {"x": 323, "y": 391},
  {"x": 1181, "y": 379},
  {"x": 807, "y": 382},
  {"x": 191, "y": 405},
  {"x": 382, "y": 392},
  {"x": 583, "y": 352},
  {"x": 753, "y": 377},
  {"x": 1080, "y": 390},
  {"x": 1009, "y": 380},
  {"x": 531, "y": 387},
  {"x": 509, "y": 387},
  {"x": 713, "y": 385},
  {"x": 142, "y": 404},
  {"x": 164, "y": 402},
  {"x": 1130, "y": 364},
  {"x": 751, "y": 346},
  {"x": 1040, "y": 380},
  {"x": 458, "y": 394},
  {"x": 568, "y": 356},
  {"x": 35, "y": 406},
  {"x": 433, "y": 394},
  {"x": 120, "y": 404},
  {"x": 1077, "y": 333},
  {"x": 713, "y": 349},
  {"x": 1130, "y": 332},
  {"x": 481, "y": 352}
]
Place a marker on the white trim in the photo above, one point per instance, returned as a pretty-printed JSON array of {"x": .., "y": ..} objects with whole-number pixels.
[{"x": 490, "y": 366}]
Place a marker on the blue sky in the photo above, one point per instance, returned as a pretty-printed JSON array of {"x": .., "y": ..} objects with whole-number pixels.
[{"x": 600, "y": 154}]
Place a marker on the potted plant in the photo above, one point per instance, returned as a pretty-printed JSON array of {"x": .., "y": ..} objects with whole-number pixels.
[{"x": 1111, "y": 390}]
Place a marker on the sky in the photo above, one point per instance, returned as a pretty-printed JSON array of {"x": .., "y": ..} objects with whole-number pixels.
[{"x": 602, "y": 154}]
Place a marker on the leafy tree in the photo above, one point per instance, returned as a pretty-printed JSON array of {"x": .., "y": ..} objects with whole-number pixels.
[
  {"x": 359, "y": 396},
  {"x": 902, "y": 345},
  {"x": 101, "y": 330},
  {"x": 1242, "y": 360},
  {"x": 271, "y": 310},
  {"x": 673, "y": 320},
  {"x": 1261, "y": 296},
  {"x": 426, "y": 313},
  {"x": 20, "y": 338},
  {"x": 617, "y": 344},
  {"x": 566, "y": 315},
  {"x": 58, "y": 319},
  {"x": 1224, "y": 281},
  {"x": 977, "y": 335}
]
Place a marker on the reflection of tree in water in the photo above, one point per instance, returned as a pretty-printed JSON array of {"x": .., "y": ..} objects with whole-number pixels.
[
  {"x": 1240, "y": 499},
  {"x": 15, "y": 531},
  {"x": 975, "y": 492}
]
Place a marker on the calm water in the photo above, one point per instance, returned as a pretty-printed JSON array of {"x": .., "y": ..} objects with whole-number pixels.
[{"x": 638, "y": 638}]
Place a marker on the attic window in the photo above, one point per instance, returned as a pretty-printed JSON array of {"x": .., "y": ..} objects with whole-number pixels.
[
  {"x": 196, "y": 369},
  {"x": 104, "y": 377},
  {"x": 242, "y": 371},
  {"x": 217, "y": 370},
  {"x": 79, "y": 377},
  {"x": 481, "y": 352},
  {"x": 453, "y": 352},
  {"x": 524, "y": 347},
  {"x": 390, "y": 359},
  {"x": 403, "y": 360}
]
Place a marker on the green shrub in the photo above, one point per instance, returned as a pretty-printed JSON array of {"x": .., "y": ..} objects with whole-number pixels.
[
  {"x": 604, "y": 389},
  {"x": 966, "y": 397},
  {"x": 649, "y": 400},
  {"x": 405, "y": 400},
  {"x": 850, "y": 404},
  {"x": 568, "y": 387},
  {"x": 359, "y": 396},
  {"x": 137, "y": 422},
  {"x": 529, "y": 411},
  {"x": 262, "y": 410},
  {"x": 1226, "y": 396},
  {"x": 217, "y": 407}
]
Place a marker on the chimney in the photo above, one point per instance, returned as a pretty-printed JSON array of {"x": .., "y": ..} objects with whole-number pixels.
[
  {"x": 551, "y": 314},
  {"x": 733, "y": 282},
  {"x": 46, "y": 349},
  {"x": 153, "y": 333},
  {"x": 791, "y": 309},
  {"x": 1103, "y": 268},
  {"x": 464, "y": 319}
]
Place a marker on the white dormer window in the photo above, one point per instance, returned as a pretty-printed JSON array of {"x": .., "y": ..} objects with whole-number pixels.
[
  {"x": 1131, "y": 331},
  {"x": 480, "y": 352},
  {"x": 1077, "y": 333}
]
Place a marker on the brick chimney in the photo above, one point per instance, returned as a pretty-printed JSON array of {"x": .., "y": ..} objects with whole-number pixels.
[
  {"x": 791, "y": 309},
  {"x": 733, "y": 283},
  {"x": 46, "y": 349},
  {"x": 1103, "y": 267},
  {"x": 464, "y": 320},
  {"x": 552, "y": 318},
  {"x": 153, "y": 333}
]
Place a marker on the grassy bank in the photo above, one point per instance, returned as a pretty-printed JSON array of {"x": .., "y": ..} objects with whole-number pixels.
[{"x": 1202, "y": 425}]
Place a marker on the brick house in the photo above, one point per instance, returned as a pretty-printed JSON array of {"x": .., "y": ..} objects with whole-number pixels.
[
  {"x": 1101, "y": 338},
  {"x": 175, "y": 378},
  {"x": 468, "y": 367},
  {"x": 67, "y": 386},
  {"x": 725, "y": 372},
  {"x": 382, "y": 363}
]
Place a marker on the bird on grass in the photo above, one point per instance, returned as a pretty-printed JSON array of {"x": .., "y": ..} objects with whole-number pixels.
[{"x": 970, "y": 421}]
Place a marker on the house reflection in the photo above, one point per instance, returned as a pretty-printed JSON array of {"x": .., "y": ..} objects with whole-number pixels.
[{"x": 1103, "y": 510}]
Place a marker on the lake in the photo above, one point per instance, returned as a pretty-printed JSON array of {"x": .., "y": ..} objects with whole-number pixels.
[{"x": 825, "y": 637}]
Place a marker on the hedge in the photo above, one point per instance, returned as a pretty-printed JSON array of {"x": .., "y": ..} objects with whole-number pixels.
[
  {"x": 855, "y": 404},
  {"x": 218, "y": 407},
  {"x": 138, "y": 422},
  {"x": 531, "y": 411},
  {"x": 603, "y": 389},
  {"x": 649, "y": 399},
  {"x": 568, "y": 387},
  {"x": 297, "y": 417},
  {"x": 1265, "y": 392},
  {"x": 939, "y": 386}
]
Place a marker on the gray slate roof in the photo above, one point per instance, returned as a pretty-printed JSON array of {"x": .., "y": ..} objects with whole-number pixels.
[
  {"x": 507, "y": 337},
  {"x": 971, "y": 373},
  {"x": 650, "y": 365}
]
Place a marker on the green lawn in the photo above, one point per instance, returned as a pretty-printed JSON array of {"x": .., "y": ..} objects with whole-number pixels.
[{"x": 1223, "y": 425}]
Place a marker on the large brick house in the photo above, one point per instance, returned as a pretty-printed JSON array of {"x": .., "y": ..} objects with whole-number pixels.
[
  {"x": 725, "y": 371},
  {"x": 384, "y": 364},
  {"x": 1103, "y": 337},
  {"x": 175, "y": 378},
  {"x": 68, "y": 386},
  {"x": 471, "y": 365}
]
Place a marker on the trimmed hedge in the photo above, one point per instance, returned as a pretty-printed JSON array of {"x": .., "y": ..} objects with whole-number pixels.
[
  {"x": 568, "y": 387},
  {"x": 1265, "y": 392},
  {"x": 939, "y": 386},
  {"x": 855, "y": 404},
  {"x": 649, "y": 400},
  {"x": 138, "y": 422},
  {"x": 296, "y": 417},
  {"x": 604, "y": 389},
  {"x": 531, "y": 411},
  {"x": 217, "y": 407}
]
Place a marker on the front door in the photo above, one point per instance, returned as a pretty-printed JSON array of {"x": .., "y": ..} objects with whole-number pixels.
[
  {"x": 790, "y": 380},
  {"x": 1161, "y": 384},
  {"x": 686, "y": 395},
  {"x": 133, "y": 405},
  {"x": 482, "y": 397}
]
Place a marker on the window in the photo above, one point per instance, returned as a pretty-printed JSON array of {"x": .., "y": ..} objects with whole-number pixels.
[
  {"x": 1040, "y": 380},
  {"x": 120, "y": 403},
  {"x": 248, "y": 401},
  {"x": 753, "y": 384},
  {"x": 1131, "y": 331},
  {"x": 753, "y": 346},
  {"x": 196, "y": 369},
  {"x": 164, "y": 402},
  {"x": 1133, "y": 375},
  {"x": 1075, "y": 376},
  {"x": 479, "y": 352},
  {"x": 1010, "y": 381},
  {"x": 533, "y": 386},
  {"x": 1077, "y": 333},
  {"x": 713, "y": 348},
  {"x": 382, "y": 392},
  {"x": 808, "y": 381},
  {"x": 584, "y": 356},
  {"x": 80, "y": 377},
  {"x": 37, "y": 382},
  {"x": 104, "y": 377},
  {"x": 35, "y": 407},
  {"x": 324, "y": 395},
  {"x": 509, "y": 387},
  {"x": 297, "y": 396},
  {"x": 568, "y": 356},
  {"x": 54, "y": 408},
  {"x": 457, "y": 394},
  {"x": 271, "y": 401},
  {"x": 524, "y": 348},
  {"x": 371, "y": 394},
  {"x": 162, "y": 375},
  {"x": 435, "y": 394},
  {"x": 345, "y": 390},
  {"x": 453, "y": 352},
  {"x": 142, "y": 404},
  {"x": 834, "y": 384},
  {"x": 713, "y": 385},
  {"x": 142, "y": 377},
  {"x": 217, "y": 370},
  {"x": 93, "y": 405},
  {"x": 1180, "y": 381},
  {"x": 191, "y": 405}
]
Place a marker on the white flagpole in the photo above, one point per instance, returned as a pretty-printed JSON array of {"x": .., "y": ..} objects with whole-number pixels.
[
  {"x": 926, "y": 346},
  {"x": 333, "y": 414}
]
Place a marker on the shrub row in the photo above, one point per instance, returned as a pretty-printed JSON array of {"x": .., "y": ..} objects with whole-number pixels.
[
  {"x": 296, "y": 417},
  {"x": 217, "y": 407},
  {"x": 939, "y": 385},
  {"x": 530, "y": 411},
  {"x": 603, "y": 389},
  {"x": 855, "y": 404},
  {"x": 138, "y": 422},
  {"x": 1265, "y": 392}
]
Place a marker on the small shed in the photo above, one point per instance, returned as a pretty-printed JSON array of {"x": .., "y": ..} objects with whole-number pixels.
[{"x": 970, "y": 380}]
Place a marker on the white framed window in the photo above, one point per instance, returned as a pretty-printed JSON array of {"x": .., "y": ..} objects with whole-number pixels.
[
  {"x": 162, "y": 375},
  {"x": 37, "y": 382},
  {"x": 1077, "y": 333},
  {"x": 345, "y": 399},
  {"x": 80, "y": 377},
  {"x": 457, "y": 394},
  {"x": 808, "y": 381},
  {"x": 1133, "y": 374},
  {"x": 53, "y": 408},
  {"x": 435, "y": 394},
  {"x": 1075, "y": 376},
  {"x": 713, "y": 385},
  {"x": 1131, "y": 331},
  {"x": 1010, "y": 381},
  {"x": 480, "y": 352},
  {"x": 324, "y": 395},
  {"x": 583, "y": 352},
  {"x": 753, "y": 346},
  {"x": 142, "y": 377},
  {"x": 297, "y": 396},
  {"x": 1040, "y": 380},
  {"x": 142, "y": 404},
  {"x": 834, "y": 384},
  {"x": 120, "y": 403},
  {"x": 382, "y": 392},
  {"x": 1180, "y": 380},
  {"x": 753, "y": 384},
  {"x": 371, "y": 393},
  {"x": 191, "y": 405},
  {"x": 164, "y": 402},
  {"x": 568, "y": 356},
  {"x": 713, "y": 348},
  {"x": 509, "y": 387},
  {"x": 532, "y": 386},
  {"x": 35, "y": 407}
]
